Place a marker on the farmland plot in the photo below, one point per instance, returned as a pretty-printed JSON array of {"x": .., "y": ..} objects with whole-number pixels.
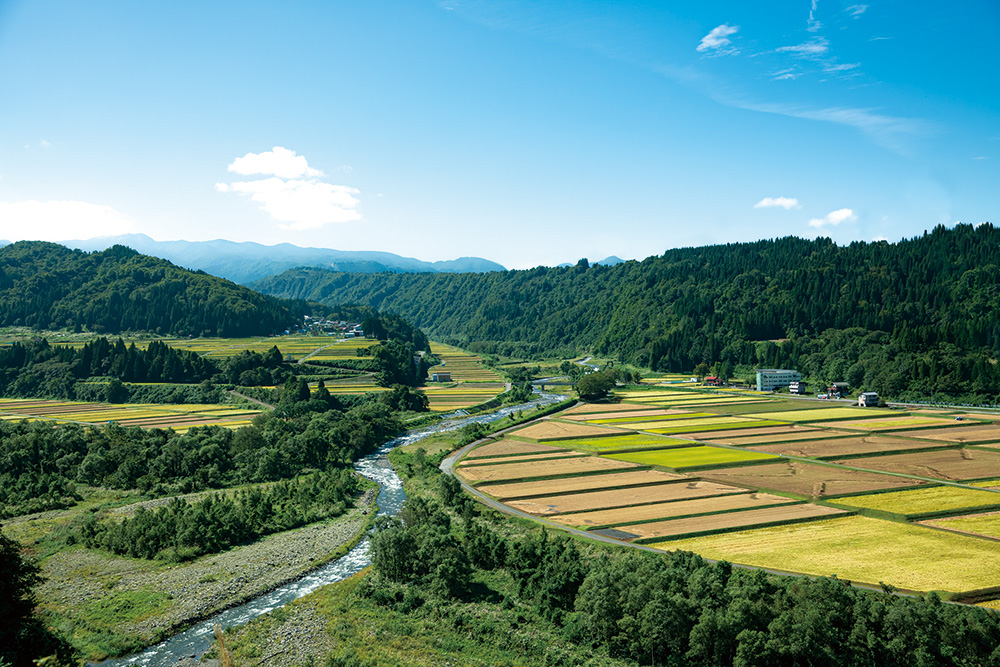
[
  {"x": 548, "y": 429},
  {"x": 890, "y": 423},
  {"x": 612, "y": 480},
  {"x": 824, "y": 414},
  {"x": 836, "y": 447},
  {"x": 809, "y": 479},
  {"x": 732, "y": 521},
  {"x": 948, "y": 464},
  {"x": 700, "y": 456},
  {"x": 508, "y": 447},
  {"x": 609, "y": 416},
  {"x": 628, "y": 442},
  {"x": 917, "y": 502},
  {"x": 596, "y": 409},
  {"x": 970, "y": 433},
  {"x": 503, "y": 460},
  {"x": 986, "y": 524},
  {"x": 526, "y": 471},
  {"x": 671, "y": 510},
  {"x": 591, "y": 500}
]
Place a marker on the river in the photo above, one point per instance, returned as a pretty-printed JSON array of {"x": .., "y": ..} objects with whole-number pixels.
[{"x": 197, "y": 639}]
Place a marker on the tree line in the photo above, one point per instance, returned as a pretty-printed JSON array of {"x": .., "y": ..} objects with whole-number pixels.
[{"x": 909, "y": 319}]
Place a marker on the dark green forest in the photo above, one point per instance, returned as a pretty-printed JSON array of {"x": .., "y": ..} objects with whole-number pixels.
[
  {"x": 915, "y": 319},
  {"x": 49, "y": 286}
]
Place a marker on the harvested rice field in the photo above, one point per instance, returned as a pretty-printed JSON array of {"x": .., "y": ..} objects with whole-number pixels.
[
  {"x": 690, "y": 422},
  {"x": 916, "y": 502},
  {"x": 608, "y": 417},
  {"x": 742, "y": 441},
  {"x": 972, "y": 432},
  {"x": 504, "y": 460},
  {"x": 526, "y": 471},
  {"x": 891, "y": 423},
  {"x": 178, "y": 417},
  {"x": 611, "y": 480},
  {"x": 785, "y": 430},
  {"x": 592, "y": 500},
  {"x": 696, "y": 431},
  {"x": 808, "y": 479},
  {"x": 861, "y": 549},
  {"x": 671, "y": 510},
  {"x": 628, "y": 442},
  {"x": 548, "y": 429},
  {"x": 825, "y": 414},
  {"x": 985, "y": 525},
  {"x": 652, "y": 417},
  {"x": 838, "y": 447},
  {"x": 715, "y": 523},
  {"x": 509, "y": 447},
  {"x": 601, "y": 408},
  {"x": 687, "y": 458},
  {"x": 947, "y": 464}
]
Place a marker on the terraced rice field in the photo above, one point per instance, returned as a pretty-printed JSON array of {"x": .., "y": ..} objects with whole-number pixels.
[
  {"x": 637, "y": 477},
  {"x": 890, "y": 423},
  {"x": 335, "y": 350},
  {"x": 538, "y": 458},
  {"x": 972, "y": 432},
  {"x": 947, "y": 464},
  {"x": 986, "y": 524},
  {"x": 532, "y": 470},
  {"x": 737, "y": 439},
  {"x": 838, "y": 447},
  {"x": 695, "y": 430},
  {"x": 688, "y": 458},
  {"x": 651, "y": 417},
  {"x": 177, "y": 417},
  {"x": 693, "y": 422},
  {"x": 601, "y": 408},
  {"x": 635, "y": 441},
  {"x": 509, "y": 447},
  {"x": 448, "y": 398},
  {"x": 916, "y": 502},
  {"x": 808, "y": 479},
  {"x": 824, "y": 414},
  {"x": 556, "y": 430},
  {"x": 732, "y": 521},
  {"x": 591, "y": 500},
  {"x": 464, "y": 367},
  {"x": 860, "y": 549},
  {"x": 671, "y": 510}
]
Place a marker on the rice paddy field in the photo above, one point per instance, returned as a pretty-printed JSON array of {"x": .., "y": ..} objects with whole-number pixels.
[
  {"x": 613, "y": 480},
  {"x": 824, "y": 414},
  {"x": 505, "y": 447},
  {"x": 548, "y": 429},
  {"x": 448, "y": 398},
  {"x": 932, "y": 500},
  {"x": 946, "y": 464},
  {"x": 636, "y": 441},
  {"x": 731, "y": 520},
  {"x": 178, "y": 417},
  {"x": 891, "y": 423},
  {"x": 809, "y": 480},
  {"x": 695, "y": 457},
  {"x": 860, "y": 549},
  {"x": 833, "y": 448},
  {"x": 986, "y": 524},
  {"x": 462, "y": 366},
  {"x": 971, "y": 432},
  {"x": 534, "y": 470},
  {"x": 591, "y": 500},
  {"x": 628, "y": 516}
]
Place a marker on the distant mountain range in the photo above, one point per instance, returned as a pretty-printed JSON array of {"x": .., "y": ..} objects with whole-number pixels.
[
  {"x": 246, "y": 262},
  {"x": 607, "y": 261}
]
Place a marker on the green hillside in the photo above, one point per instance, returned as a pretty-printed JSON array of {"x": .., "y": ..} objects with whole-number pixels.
[
  {"x": 914, "y": 319},
  {"x": 48, "y": 286}
]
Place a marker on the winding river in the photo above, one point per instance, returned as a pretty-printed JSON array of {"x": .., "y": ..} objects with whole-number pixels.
[{"x": 196, "y": 640}]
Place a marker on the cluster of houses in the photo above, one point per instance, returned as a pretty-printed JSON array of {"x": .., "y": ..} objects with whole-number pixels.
[
  {"x": 321, "y": 325},
  {"x": 769, "y": 379}
]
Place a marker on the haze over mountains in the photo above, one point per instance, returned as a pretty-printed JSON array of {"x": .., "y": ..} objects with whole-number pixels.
[{"x": 248, "y": 261}]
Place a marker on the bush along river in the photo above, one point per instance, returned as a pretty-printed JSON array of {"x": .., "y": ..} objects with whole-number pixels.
[{"x": 196, "y": 640}]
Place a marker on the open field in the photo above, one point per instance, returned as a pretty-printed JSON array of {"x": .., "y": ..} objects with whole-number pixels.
[
  {"x": 447, "y": 398},
  {"x": 652, "y": 417},
  {"x": 178, "y": 417},
  {"x": 731, "y": 520},
  {"x": 525, "y": 471},
  {"x": 548, "y": 429},
  {"x": 949, "y": 464},
  {"x": 464, "y": 367},
  {"x": 986, "y": 524},
  {"x": 917, "y": 502},
  {"x": 808, "y": 479},
  {"x": 695, "y": 430},
  {"x": 691, "y": 457},
  {"x": 973, "y": 432},
  {"x": 509, "y": 447},
  {"x": 592, "y": 500},
  {"x": 861, "y": 549},
  {"x": 773, "y": 405},
  {"x": 890, "y": 423},
  {"x": 601, "y": 408},
  {"x": 692, "y": 422},
  {"x": 609, "y": 416},
  {"x": 784, "y": 430},
  {"x": 628, "y": 441},
  {"x": 668, "y": 510},
  {"x": 547, "y": 456},
  {"x": 825, "y": 414},
  {"x": 585, "y": 483},
  {"x": 836, "y": 447}
]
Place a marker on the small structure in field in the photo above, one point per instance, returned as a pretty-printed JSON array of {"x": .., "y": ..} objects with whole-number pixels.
[
  {"x": 868, "y": 399},
  {"x": 440, "y": 376},
  {"x": 799, "y": 388}
]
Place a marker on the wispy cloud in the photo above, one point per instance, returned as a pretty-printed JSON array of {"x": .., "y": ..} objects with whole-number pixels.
[
  {"x": 60, "y": 220},
  {"x": 842, "y": 67},
  {"x": 813, "y": 23},
  {"x": 834, "y": 218},
  {"x": 817, "y": 46},
  {"x": 717, "y": 41},
  {"x": 856, "y": 10},
  {"x": 785, "y": 75},
  {"x": 293, "y": 194},
  {"x": 786, "y": 203}
]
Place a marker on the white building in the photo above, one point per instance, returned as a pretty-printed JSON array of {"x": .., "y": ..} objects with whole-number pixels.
[{"x": 769, "y": 379}]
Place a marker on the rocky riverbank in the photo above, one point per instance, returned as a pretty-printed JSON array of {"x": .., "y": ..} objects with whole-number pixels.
[{"x": 113, "y": 605}]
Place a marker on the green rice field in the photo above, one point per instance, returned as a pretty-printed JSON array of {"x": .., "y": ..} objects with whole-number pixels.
[
  {"x": 620, "y": 442},
  {"x": 698, "y": 456}
]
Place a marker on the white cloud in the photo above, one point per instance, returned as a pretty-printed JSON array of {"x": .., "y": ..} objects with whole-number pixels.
[
  {"x": 856, "y": 10},
  {"x": 785, "y": 74},
  {"x": 718, "y": 38},
  {"x": 815, "y": 47},
  {"x": 786, "y": 203},
  {"x": 293, "y": 195},
  {"x": 834, "y": 218},
  {"x": 44, "y": 143},
  {"x": 278, "y": 161},
  {"x": 60, "y": 220},
  {"x": 813, "y": 23},
  {"x": 845, "y": 67}
]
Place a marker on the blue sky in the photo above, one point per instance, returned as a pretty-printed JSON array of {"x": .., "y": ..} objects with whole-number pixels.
[{"x": 524, "y": 132}]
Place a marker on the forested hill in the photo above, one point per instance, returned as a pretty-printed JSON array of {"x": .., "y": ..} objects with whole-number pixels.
[
  {"x": 45, "y": 285},
  {"x": 914, "y": 318}
]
